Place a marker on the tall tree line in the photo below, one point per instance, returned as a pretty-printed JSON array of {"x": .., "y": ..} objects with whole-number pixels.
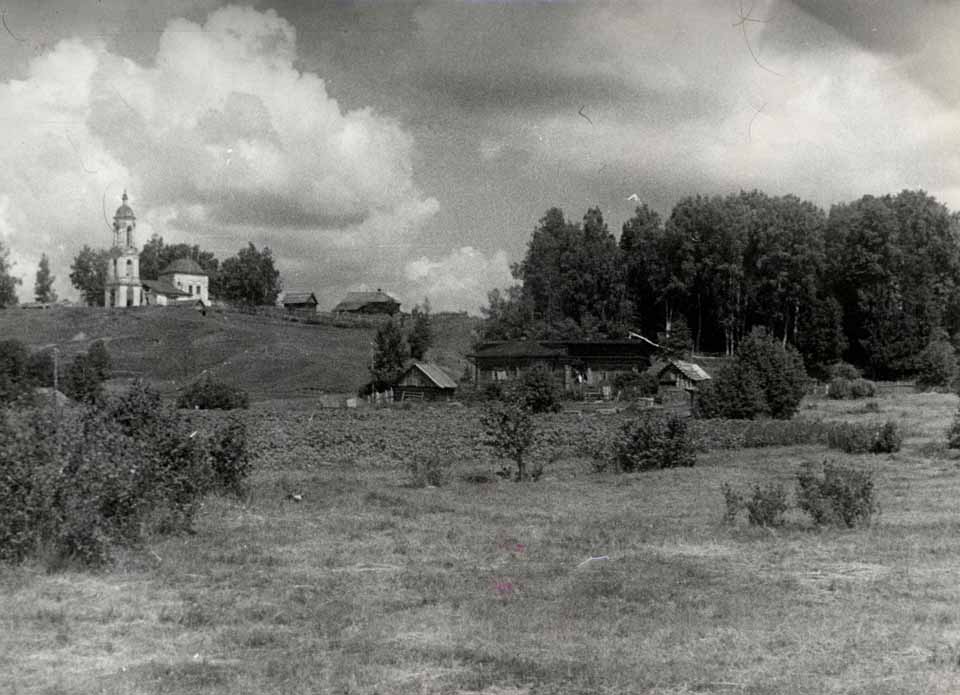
[
  {"x": 249, "y": 277},
  {"x": 872, "y": 281}
]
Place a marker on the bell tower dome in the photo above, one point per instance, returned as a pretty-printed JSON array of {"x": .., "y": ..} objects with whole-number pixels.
[{"x": 124, "y": 225}]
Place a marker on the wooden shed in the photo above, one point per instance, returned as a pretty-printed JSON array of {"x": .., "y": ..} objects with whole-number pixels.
[
  {"x": 300, "y": 301},
  {"x": 424, "y": 381},
  {"x": 681, "y": 374},
  {"x": 679, "y": 381}
]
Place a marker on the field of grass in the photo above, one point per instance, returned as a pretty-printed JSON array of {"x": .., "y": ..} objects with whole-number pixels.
[
  {"x": 368, "y": 585},
  {"x": 172, "y": 346}
]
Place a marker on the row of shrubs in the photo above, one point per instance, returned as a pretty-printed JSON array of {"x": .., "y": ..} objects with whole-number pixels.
[
  {"x": 835, "y": 494},
  {"x": 841, "y": 388},
  {"x": 79, "y": 481},
  {"x": 711, "y": 435},
  {"x": 856, "y": 438},
  {"x": 654, "y": 440},
  {"x": 21, "y": 371}
]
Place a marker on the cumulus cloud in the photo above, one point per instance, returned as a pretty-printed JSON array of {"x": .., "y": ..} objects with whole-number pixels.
[
  {"x": 459, "y": 280},
  {"x": 219, "y": 139},
  {"x": 792, "y": 106}
]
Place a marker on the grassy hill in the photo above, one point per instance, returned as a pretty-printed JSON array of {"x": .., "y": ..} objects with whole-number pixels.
[{"x": 172, "y": 346}]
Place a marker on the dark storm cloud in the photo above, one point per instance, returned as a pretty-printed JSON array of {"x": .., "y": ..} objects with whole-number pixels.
[
  {"x": 277, "y": 211},
  {"x": 919, "y": 36},
  {"x": 879, "y": 25}
]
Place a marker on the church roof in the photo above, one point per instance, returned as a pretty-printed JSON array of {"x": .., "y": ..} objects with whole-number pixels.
[
  {"x": 124, "y": 211},
  {"x": 185, "y": 266},
  {"x": 163, "y": 287}
]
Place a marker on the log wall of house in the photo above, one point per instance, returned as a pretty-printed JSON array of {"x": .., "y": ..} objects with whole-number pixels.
[{"x": 426, "y": 393}]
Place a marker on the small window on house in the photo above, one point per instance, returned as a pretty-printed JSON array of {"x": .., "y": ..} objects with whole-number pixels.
[{"x": 129, "y": 267}]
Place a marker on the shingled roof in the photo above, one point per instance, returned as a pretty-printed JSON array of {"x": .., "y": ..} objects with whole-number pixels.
[
  {"x": 434, "y": 373},
  {"x": 694, "y": 372},
  {"x": 299, "y": 298},
  {"x": 355, "y": 301},
  {"x": 518, "y": 348},
  {"x": 164, "y": 287}
]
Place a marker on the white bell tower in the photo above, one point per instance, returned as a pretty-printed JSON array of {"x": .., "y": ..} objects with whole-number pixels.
[{"x": 122, "y": 287}]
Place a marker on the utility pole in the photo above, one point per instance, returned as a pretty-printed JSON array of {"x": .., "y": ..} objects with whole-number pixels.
[{"x": 56, "y": 370}]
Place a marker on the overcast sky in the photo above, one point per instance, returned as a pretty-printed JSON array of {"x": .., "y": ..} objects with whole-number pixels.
[{"x": 414, "y": 146}]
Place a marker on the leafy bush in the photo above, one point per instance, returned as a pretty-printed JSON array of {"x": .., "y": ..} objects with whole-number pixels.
[
  {"x": 837, "y": 494},
  {"x": 851, "y": 438},
  {"x": 936, "y": 365},
  {"x": 843, "y": 370},
  {"x": 841, "y": 388},
  {"x": 138, "y": 411},
  {"x": 99, "y": 360},
  {"x": 14, "y": 380},
  {"x": 767, "y": 505},
  {"x": 888, "y": 440},
  {"x": 207, "y": 393},
  {"x": 953, "y": 434},
  {"x": 856, "y": 438},
  {"x": 70, "y": 486},
  {"x": 82, "y": 381},
  {"x": 493, "y": 391},
  {"x": 764, "y": 378},
  {"x": 78, "y": 481},
  {"x": 633, "y": 385},
  {"x": 229, "y": 458},
  {"x": 510, "y": 430},
  {"x": 734, "y": 393},
  {"x": 734, "y": 501},
  {"x": 536, "y": 390},
  {"x": 84, "y": 377},
  {"x": 651, "y": 442},
  {"x": 40, "y": 366}
]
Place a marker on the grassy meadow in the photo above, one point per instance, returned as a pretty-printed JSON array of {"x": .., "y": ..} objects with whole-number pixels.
[
  {"x": 369, "y": 585},
  {"x": 270, "y": 359}
]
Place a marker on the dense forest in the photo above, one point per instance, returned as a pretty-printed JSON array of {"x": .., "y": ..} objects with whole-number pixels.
[{"x": 875, "y": 282}]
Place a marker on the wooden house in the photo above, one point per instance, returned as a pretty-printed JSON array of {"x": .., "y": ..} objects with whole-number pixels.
[
  {"x": 575, "y": 364},
  {"x": 300, "y": 302},
  {"x": 424, "y": 381},
  {"x": 378, "y": 302}
]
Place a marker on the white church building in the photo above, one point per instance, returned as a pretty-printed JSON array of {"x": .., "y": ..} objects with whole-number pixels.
[{"x": 181, "y": 282}]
